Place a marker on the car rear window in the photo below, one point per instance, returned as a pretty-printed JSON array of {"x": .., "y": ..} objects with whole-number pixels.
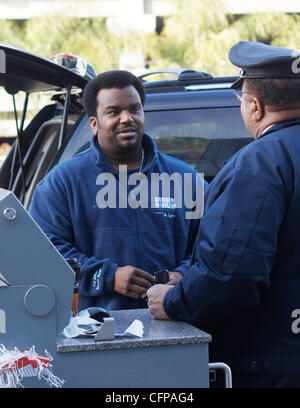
[{"x": 204, "y": 138}]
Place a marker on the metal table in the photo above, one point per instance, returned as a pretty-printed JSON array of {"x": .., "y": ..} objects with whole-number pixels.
[{"x": 170, "y": 354}]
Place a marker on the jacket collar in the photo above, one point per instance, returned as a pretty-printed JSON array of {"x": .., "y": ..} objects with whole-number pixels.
[
  {"x": 280, "y": 125},
  {"x": 150, "y": 154}
]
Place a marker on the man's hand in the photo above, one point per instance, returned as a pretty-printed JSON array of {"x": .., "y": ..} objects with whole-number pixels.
[
  {"x": 174, "y": 277},
  {"x": 132, "y": 282},
  {"x": 156, "y": 296}
]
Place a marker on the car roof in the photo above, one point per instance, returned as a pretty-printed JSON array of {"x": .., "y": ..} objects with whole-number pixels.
[
  {"x": 190, "y": 89},
  {"x": 23, "y": 71},
  {"x": 189, "y": 100}
]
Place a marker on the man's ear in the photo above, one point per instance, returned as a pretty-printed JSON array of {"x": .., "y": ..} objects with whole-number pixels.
[
  {"x": 94, "y": 124},
  {"x": 257, "y": 109}
]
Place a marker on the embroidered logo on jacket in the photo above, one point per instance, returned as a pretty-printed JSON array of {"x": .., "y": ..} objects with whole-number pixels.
[
  {"x": 154, "y": 192},
  {"x": 165, "y": 202}
]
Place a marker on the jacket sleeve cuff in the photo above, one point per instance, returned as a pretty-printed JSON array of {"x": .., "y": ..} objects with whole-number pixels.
[
  {"x": 184, "y": 267},
  {"x": 181, "y": 269},
  {"x": 170, "y": 308},
  {"x": 109, "y": 277},
  {"x": 99, "y": 279}
]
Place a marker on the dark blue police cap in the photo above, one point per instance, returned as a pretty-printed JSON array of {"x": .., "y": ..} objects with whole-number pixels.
[{"x": 258, "y": 60}]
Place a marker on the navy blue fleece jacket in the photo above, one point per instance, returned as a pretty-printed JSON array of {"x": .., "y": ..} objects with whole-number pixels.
[{"x": 66, "y": 205}]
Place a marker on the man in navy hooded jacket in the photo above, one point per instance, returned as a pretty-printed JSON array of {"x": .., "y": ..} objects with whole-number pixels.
[
  {"x": 90, "y": 208},
  {"x": 244, "y": 283}
]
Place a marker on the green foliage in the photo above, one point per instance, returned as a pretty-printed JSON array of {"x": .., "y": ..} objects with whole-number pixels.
[
  {"x": 268, "y": 28},
  {"x": 10, "y": 33},
  {"x": 197, "y": 35},
  {"x": 200, "y": 33},
  {"x": 88, "y": 38},
  {"x": 290, "y": 36}
]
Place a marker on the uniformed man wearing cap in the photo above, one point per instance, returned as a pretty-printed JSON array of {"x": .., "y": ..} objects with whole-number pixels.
[{"x": 244, "y": 282}]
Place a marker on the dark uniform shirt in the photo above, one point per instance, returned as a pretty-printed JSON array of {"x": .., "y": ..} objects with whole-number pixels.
[{"x": 244, "y": 283}]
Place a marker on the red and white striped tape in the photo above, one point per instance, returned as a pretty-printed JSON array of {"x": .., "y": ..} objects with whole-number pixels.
[{"x": 16, "y": 364}]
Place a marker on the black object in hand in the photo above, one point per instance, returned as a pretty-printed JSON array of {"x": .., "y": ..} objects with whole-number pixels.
[{"x": 162, "y": 276}]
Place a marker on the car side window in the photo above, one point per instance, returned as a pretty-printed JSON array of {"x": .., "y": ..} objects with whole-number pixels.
[{"x": 204, "y": 138}]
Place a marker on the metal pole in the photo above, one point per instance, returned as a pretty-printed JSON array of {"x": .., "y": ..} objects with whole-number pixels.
[
  {"x": 65, "y": 116},
  {"x": 227, "y": 372}
]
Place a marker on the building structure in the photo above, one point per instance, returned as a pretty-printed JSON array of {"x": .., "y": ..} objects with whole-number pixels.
[{"x": 26, "y": 9}]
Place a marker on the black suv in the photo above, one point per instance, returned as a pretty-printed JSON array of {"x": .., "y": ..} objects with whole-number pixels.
[{"x": 194, "y": 117}]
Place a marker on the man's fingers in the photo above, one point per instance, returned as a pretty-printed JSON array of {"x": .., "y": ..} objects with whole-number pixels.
[
  {"x": 175, "y": 277},
  {"x": 132, "y": 294},
  {"x": 149, "y": 291},
  {"x": 156, "y": 296},
  {"x": 145, "y": 276},
  {"x": 128, "y": 276},
  {"x": 139, "y": 290},
  {"x": 143, "y": 283},
  {"x": 135, "y": 291}
]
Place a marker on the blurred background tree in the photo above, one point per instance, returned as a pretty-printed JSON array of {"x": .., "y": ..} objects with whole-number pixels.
[
  {"x": 187, "y": 31},
  {"x": 87, "y": 37},
  {"x": 11, "y": 33},
  {"x": 197, "y": 35},
  {"x": 200, "y": 33},
  {"x": 269, "y": 28}
]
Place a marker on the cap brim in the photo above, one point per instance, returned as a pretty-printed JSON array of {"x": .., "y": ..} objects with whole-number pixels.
[{"x": 238, "y": 83}]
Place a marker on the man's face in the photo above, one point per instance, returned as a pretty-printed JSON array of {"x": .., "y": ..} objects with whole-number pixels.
[{"x": 119, "y": 124}]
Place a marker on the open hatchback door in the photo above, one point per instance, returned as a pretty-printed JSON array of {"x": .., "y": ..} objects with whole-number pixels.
[{"x": 38, "y": 145}]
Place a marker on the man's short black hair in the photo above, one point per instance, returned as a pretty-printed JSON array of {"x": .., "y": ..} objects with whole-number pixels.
[
  {"x": 276, "y": 91},
  {"x": 110, "y": 79}
]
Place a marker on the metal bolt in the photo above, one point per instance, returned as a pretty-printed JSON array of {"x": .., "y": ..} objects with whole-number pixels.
[{"x": 10, "y": 214}]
